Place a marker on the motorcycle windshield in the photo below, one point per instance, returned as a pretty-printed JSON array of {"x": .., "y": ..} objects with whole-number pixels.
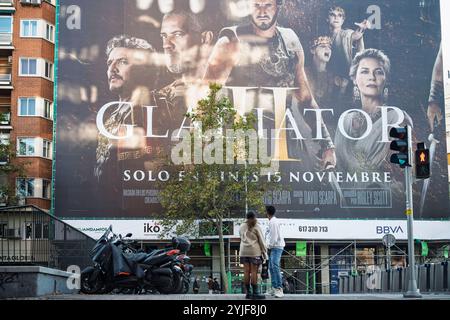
[{"x": 101, "y": 242}]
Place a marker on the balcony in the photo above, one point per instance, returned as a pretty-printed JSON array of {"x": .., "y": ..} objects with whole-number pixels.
[
  {"x": 4, "y": 143},
  {"x": 5, "y": 73},
  {"x": 7, "y": 6},
  {"x": 5, "y": 121},
  {"x": 6, "y": 40},
  {"x": 5, "y": 81}
]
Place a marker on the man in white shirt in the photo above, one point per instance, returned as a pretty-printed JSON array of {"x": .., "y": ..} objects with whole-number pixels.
[{"x": 275, "y": 243}]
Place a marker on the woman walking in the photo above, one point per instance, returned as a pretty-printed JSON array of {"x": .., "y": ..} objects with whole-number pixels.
[{"x": 252, "y": 253}]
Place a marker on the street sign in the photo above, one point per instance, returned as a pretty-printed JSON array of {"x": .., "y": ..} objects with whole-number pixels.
[{"x": 388, "y": 240}]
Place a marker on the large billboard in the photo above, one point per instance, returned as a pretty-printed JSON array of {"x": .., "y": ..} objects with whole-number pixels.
[{"x": 326, "y": 80}]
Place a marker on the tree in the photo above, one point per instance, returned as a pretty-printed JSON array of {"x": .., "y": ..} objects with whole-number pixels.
[
  {"x": 9, "y": 167},
  {"x": 213, "y": 190}
]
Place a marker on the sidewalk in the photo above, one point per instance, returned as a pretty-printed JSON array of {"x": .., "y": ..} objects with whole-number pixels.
[{"x": 239, "y": 297}]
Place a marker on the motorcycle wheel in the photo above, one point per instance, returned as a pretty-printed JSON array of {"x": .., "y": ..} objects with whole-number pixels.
[
  {"x": 186, "y": 285},
  {"x": 178, "y": 283},
  {"x": 90, "y": 287},
  {"x": 166, "y": 289}
]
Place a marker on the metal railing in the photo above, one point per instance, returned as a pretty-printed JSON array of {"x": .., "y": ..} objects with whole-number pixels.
[
  {"x": 431, "y": 278},
  {"x": 6, "y": 2},
  {"x": 5, "y": 78},
  {"x": 304, "y": 275},
  {"x": 5, "y": 38},
  {"x": 31, "y": 236}
]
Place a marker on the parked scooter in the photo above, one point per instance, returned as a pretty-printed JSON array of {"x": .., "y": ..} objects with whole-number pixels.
[
  {"x": 182, "y": 260},
  {"x": 140, "y": 271}
]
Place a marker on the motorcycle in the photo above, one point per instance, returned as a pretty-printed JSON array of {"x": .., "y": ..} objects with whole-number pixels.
[
  {"x": 183, "y": 261},
  {"x": 183, "y": 278},
  {"x": 114, "y": 269}
]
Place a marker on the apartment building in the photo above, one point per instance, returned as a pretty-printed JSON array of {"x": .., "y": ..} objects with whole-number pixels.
[{"x": 27, "y": 45}]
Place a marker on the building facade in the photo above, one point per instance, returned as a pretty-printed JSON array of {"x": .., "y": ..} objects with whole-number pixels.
[
  {"x": 27, "y": 45},
  {"x": 27, "y": 55}
]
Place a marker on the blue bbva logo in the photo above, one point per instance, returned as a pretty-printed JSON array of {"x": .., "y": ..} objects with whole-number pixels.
[{"x": 389, "y": 229}]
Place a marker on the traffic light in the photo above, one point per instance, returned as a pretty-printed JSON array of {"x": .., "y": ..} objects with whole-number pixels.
[
  {"x": 422, "y": 162},
  {"x": 401, "y": 145}
]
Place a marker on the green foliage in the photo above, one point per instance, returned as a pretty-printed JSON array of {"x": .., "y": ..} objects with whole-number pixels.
[
  {"x": 210, "y": 192},
  {"x": 207, "y": 191},
  {"x": 7, "y": 169}
]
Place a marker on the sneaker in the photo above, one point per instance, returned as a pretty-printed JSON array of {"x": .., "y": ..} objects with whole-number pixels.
[
  {"x": 279, "y": 293},
  {"x": 270, "y": 292}
]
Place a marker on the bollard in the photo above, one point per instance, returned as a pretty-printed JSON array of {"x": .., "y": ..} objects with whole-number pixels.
[
  {"x": 351, "y": 284},
  {"x": 385, "y": 281},
  {"x": 422, "y": 278},
  {"x": 345, "y": 280},
  {"x": 430, "y": 277},
  {"x": 446, "y": 275},
  {"x": 365, "y": 280},
  {"x": 395, "y": 285},
  {"x": 439, "y": 277},
  {"x": 358, "y": 280},
  {"x": 403, "y": 280}
]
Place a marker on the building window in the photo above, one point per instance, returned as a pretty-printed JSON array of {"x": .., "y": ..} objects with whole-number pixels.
[
  {"x": 3, "y": 228},
  {"x": 48, "y": 70},
  {"x": 49, "y": 32},
  {"x": 5, "y": 29},
  {"x": 46, "y": 185},
  {"x": 25, "y": 187},
  {"x": 27, "y": 107},
  {"x": 40, "y": 230},
  {"x": 45, "y": 231},
  {"x": 47, "y": 109},
  {"x": 27, "y": 146},
  {"x": 46, "y": 146},
  {"x": 28, "y": 230},
  {"x": 28, "y": 67},
  {"x": 29, "y": 28}
]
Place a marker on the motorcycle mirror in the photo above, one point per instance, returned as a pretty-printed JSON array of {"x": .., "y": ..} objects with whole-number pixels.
[{"x": 129, "y": 235}]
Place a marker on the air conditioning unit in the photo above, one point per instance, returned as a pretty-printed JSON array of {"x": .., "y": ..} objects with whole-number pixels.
[{"x": 13, "y": 234}]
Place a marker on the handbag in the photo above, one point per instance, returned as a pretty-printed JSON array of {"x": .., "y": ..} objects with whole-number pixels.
[{"x": 265, "y": 270}]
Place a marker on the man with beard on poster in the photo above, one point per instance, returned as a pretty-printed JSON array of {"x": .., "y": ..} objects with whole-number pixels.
[
  {"x": 186, "y": 47},
  {"x": 129, "y": 75},
  {"x": 261, "y": 54},
  {"x": 345, "y": 43}
]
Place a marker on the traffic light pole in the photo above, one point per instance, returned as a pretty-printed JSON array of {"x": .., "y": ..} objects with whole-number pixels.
[{"x": 412, "y": 291}]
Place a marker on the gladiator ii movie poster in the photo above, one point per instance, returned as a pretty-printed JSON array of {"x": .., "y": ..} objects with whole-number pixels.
[{"x": 326, "y": 81}]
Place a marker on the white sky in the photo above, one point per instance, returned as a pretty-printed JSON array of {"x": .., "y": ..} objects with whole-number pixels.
[{"x": 445, "y": 20}]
